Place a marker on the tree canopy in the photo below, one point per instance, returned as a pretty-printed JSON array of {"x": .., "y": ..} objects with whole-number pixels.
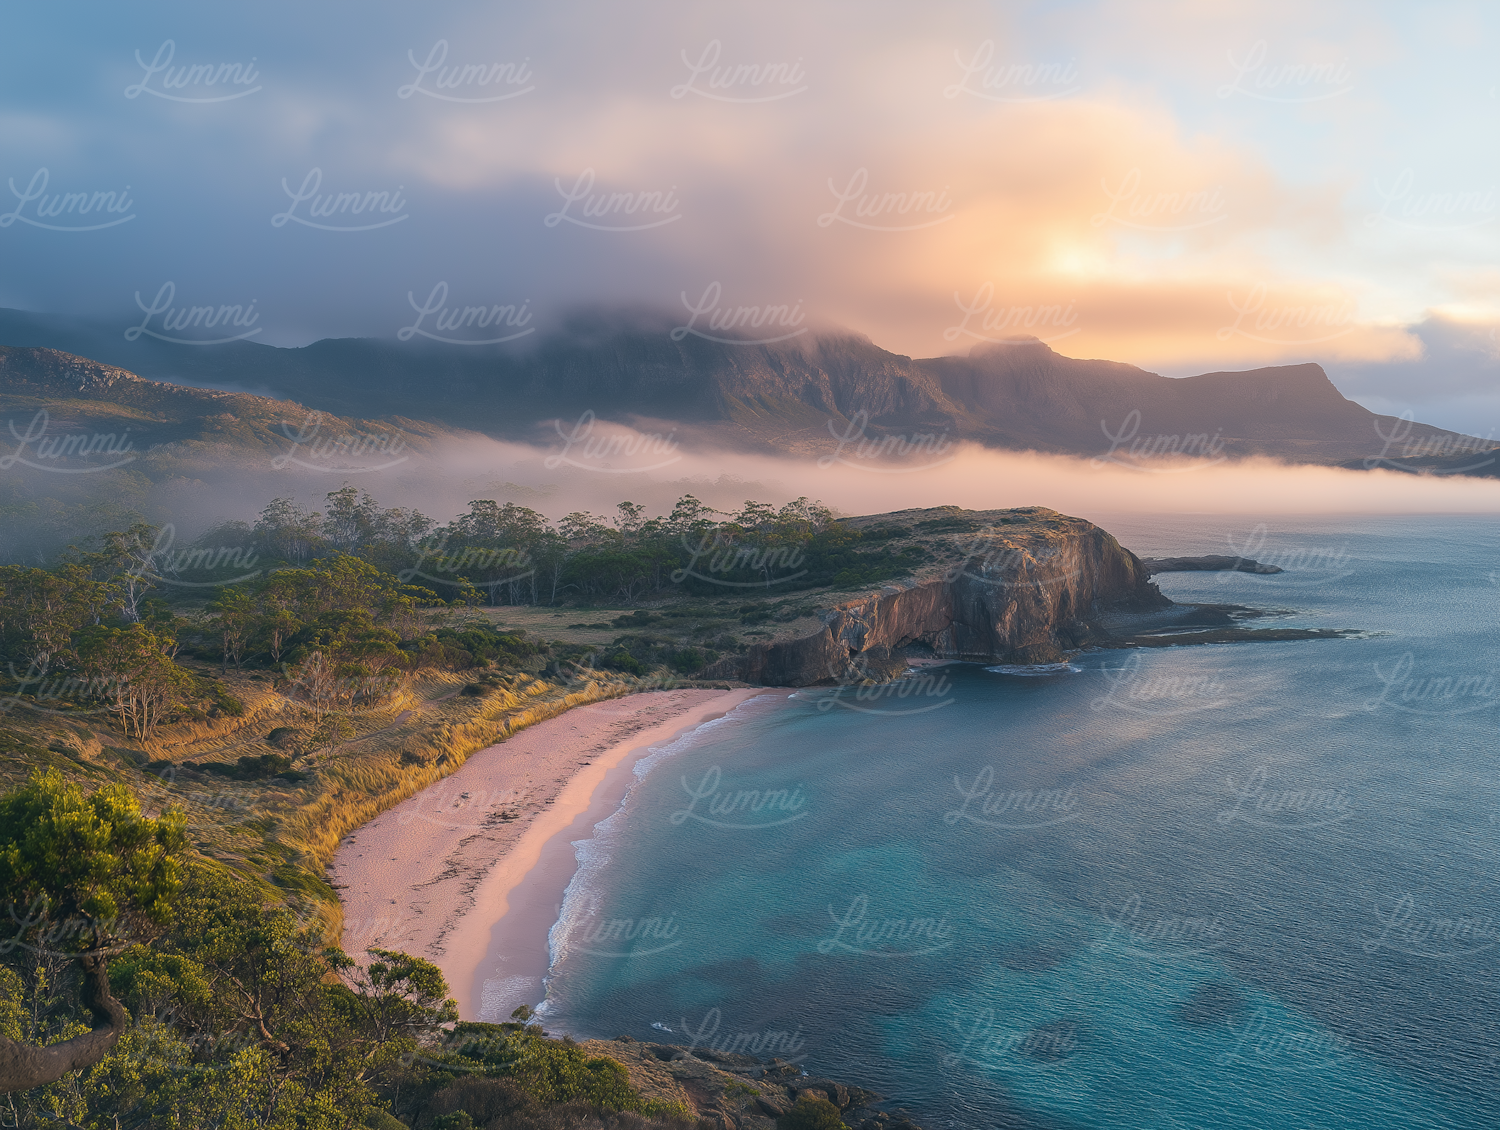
[{"x": 82, "y": 872}]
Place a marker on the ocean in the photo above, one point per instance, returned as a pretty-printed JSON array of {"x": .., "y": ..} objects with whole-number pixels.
[{"x": 1241, "y": 885}]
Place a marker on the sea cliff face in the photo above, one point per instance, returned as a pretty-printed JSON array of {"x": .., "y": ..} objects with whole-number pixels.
[{"x": 1002, "y": 586}]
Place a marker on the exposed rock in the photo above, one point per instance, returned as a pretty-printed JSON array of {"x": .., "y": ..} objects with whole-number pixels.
[
  {"x": 1022, "y": 586},
  {"x": 1180, "y": 625},
  {"x": 50, "y": 371},
  {"x": 740, "y": 1092},
  {"x": 1212, "y": 563}
]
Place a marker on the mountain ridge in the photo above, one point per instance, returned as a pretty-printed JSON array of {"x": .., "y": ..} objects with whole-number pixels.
[{"x": 796, "y": 396}]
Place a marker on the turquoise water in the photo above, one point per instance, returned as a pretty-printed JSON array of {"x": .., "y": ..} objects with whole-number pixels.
[{"x": 1248, "y": 885}]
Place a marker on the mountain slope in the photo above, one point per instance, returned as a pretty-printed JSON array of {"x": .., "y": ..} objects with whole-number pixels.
[
  {"x": 87, "y": 447},
  {"x": 790, "y": 396},
  {"x": 81, "y": 397}
]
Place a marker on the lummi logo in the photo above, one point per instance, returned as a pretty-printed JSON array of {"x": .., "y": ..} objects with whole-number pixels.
[
  {"x": 451, "y": 321},
  {"x": 1012, "y": 82},
  {"x": 759, "y": 82},
  {"x": 743, "y": 808},
  {"x": 76, "y": 207},
  {"x": 66, "y": 453},
  {"x": 65, "y": 694},
  {"x": 992, "y": 558},
  {"x": 613, "y": 211},
  {"x": 1285, "y": 82},
  {"x": 1303, "y": 566},
  {"x": 1134, "y": 930},
  {"x": 345, "y": 206},
  {"x": 865, "y": 688},
  {"x": 876, "y": 211},
  {"x": 1278, "y": 1044},
  {"x": 176, "y": 319},
  {"x": 1013, "y": 809},
  {"x": 37, "y": 931},
  {"x": 763, "y": 1043},
  {"x": 204, "y": 79},
  {"x": 162, "y": 565},
  {"x": 1432, "y": 211},
  {"x": 342, "y": 452},
  {"x": 727, "y": 319},
  {"x": 444, "y": 805},
  {"x": 986, "y": 1043},
  {"x": 1017, "y": 325},
  {"x": 717, "y": 556},
  {"x": 857, "y": 933},
  {"x": 1137, "y": 689},
  {"x": 435, "y": 79},
  {"x": 588, "y": 930},
  {"x": 512, "y": 564},
  {"x": 1440, "y": 695},
  {"x": 1444, "y": 445},
  {"x": 1443, "y": 936},
  {"x": 1160, "y": 211},
  {"x": 886, "y": 454},
  {"x": 1160, "y": 454},
  {"x": 1291, "y": 323},
  {"x": 1282, "y": 809},
  {"x": 614, "y": 450}
]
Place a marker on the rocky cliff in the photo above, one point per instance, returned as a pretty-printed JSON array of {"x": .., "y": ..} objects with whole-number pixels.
[
  {"x": 730, "y": 1091},
  {"x": 1000, "y": 586}
]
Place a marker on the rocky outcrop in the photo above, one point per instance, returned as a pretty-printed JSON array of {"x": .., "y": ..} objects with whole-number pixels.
[
  {"x": 1211, "y": 563},
  {"x": 740, "y": 1092},
  {"x": 1003, "y": 586},
  {"x": 48, "y": 371}
]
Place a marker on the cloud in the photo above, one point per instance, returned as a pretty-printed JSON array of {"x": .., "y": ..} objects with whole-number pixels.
[
  {"x": 444, "y": 481},
  {"x": 1179, "y": 187},
  {"x": 1453, "y": 382}
]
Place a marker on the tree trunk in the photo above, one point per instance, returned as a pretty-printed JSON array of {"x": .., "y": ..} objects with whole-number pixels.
[{"x": 24, "y": 1066}]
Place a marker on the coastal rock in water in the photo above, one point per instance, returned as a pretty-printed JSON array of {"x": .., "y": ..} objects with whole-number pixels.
[
  {"x": 1021, "y": 586},
  {"x": 1212, "y": 563}
]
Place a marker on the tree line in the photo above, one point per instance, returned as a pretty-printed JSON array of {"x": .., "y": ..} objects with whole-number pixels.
[
  {"x": 341, "y": 602},
  {"x": 144, "y": 986},
  {"x": 505, "y": 553},
  {"x": 93, "y": 631}
]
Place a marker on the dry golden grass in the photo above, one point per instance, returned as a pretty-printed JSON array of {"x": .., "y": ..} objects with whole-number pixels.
[{"x": 280, "y": 834}]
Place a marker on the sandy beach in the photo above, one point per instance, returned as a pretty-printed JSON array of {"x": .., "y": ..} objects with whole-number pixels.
[{"x": 470, "y": 872}]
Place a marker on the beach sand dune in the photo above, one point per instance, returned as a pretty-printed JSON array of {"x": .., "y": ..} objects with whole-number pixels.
[{"x": 435, "y": 875}]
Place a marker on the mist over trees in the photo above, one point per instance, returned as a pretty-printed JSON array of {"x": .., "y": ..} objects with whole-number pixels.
[{"x": 511, "y": 554}]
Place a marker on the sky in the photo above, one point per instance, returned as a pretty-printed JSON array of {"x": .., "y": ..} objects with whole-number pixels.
[{"x": 1188, "y": 187}]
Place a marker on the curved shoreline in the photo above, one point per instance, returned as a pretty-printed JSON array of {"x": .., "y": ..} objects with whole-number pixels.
[{"x": 438, "y": 874}]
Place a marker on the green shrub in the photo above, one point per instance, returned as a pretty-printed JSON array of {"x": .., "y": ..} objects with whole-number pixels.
[
  {"x": 481, "y": 1099},
  {"x": 811, "y": 1113},
  {"x": 226, "y": 701},
  {"x": 249, "y": 768},
  {"x": 550, "y": 1071},
  {"x": 380, "y": 1120},
  {"x": 622, "y": 660}
]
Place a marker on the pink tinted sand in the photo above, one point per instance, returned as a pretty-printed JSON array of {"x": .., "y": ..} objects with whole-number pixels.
[{"x": 470, "y": 872}]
